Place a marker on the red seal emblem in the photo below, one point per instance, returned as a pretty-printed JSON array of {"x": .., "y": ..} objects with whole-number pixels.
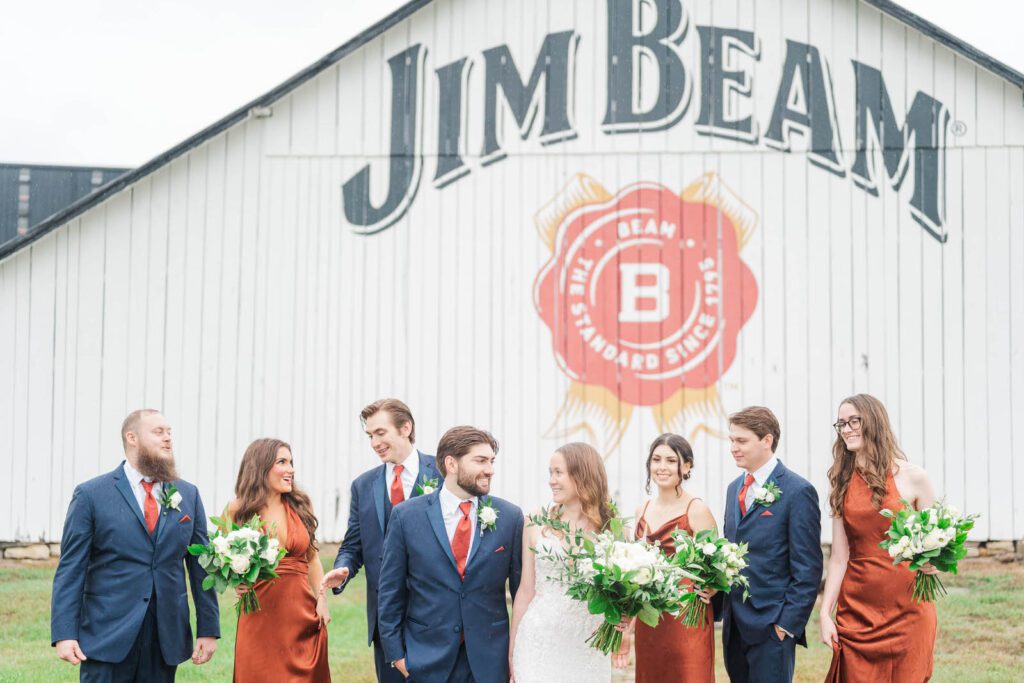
[{"x": 645, "y": 292}]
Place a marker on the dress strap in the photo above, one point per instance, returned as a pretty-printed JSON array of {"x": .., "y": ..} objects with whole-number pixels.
[
  {"x": 643, "y": 516},
  {"x": 688, "y": 505}
]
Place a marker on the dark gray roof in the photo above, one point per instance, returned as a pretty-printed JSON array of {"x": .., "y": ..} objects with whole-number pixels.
[{"x": 980, "y": 58}]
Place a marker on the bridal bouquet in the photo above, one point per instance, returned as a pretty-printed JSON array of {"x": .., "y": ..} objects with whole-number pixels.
[
  {"x": 616, "y": 577},
  {"x": 238, "y": 556},
  {"x": 933, "y": 535},
  {"x": 714, "y": 561}
]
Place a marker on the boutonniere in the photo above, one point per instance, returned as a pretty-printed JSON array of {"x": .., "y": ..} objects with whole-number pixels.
[
  {"x": 768, "y": 494},
  {"x": 425, "y": 488},
  {"x": 170, "y": 499},
  {"x": 487, "y": 516}
]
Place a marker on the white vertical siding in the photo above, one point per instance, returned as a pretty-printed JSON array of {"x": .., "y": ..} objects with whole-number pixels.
[{"x": 226, "y": 288}]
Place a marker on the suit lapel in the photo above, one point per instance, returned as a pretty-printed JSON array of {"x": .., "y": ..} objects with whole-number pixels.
[
  {"x": 436, "y": 517},
  {"x": 778, "y": 472},
  {"x": 480, "y": 539},
  {"x": 122, "y": 485},
  {"x": 378, "y": 496},
  {"x": 162, "y": 513},
  {"x": 427, "y": 471}
]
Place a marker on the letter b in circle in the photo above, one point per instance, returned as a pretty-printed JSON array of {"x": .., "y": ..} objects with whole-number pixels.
[{"x": 641, "y": 284}]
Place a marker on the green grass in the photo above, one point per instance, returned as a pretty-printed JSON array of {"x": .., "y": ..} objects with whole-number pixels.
[{"x": 981, "y": 633}]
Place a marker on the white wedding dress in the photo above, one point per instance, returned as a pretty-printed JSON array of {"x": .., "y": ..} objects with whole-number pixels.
[{"x": 551, "y": 643}]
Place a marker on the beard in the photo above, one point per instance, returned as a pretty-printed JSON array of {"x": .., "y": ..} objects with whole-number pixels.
[
  {"x": 155, "y": 466},
  {"x": 468, "y": 483}
]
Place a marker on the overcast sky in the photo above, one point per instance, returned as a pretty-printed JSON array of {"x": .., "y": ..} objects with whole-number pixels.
[{"x": 116, "y": 82}]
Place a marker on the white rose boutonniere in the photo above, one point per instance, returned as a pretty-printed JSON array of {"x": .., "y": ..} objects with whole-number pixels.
[
  {"x": 170, "y": 499},
  {"x": 487, "y": 516},
  {"x": 425, "y": 488},
  {"x": 768, "y": 494}
]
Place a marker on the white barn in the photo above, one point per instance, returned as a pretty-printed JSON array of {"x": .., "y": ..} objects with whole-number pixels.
[{"x": 557, "y": 220}]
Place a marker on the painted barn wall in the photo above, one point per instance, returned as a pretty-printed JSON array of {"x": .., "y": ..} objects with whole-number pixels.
[{"x": 227, "y": 288}]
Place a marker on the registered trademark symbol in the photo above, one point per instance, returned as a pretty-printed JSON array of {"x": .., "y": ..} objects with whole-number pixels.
[{"x": 959, "y": 128}]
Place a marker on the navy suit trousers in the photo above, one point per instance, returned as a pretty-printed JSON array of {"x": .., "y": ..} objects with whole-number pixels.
[
  {"x": 144, "y": 663},
  {"x": 769, "y": 661}
]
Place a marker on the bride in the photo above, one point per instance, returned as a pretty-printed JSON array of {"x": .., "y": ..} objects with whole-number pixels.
[{"x": 549, "y": 629}]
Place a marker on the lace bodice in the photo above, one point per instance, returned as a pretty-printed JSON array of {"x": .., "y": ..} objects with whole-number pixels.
[{"x": 551, "y": 641}]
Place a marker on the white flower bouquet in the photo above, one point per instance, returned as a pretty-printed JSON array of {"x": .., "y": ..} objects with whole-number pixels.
[
  {"x": 238, "y": 556},
  {"x": 616, "y": 577},
  {"x": 716, "y": 563},
  {"x": 935, "y": 536}
]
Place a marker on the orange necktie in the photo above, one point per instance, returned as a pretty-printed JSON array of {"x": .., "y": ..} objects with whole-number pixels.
[
  {"x": 460, "y": 541},
  {"x": 743, "y": 493},
  {"x": 397, "y": 492},
  {"x": 149, "y": 506}
]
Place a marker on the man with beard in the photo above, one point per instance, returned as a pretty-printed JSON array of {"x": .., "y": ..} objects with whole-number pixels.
[
  {"x": 447, "y": 558},
  {"x": 404, "y": 473},
  {"x": 119, "y": 605}
]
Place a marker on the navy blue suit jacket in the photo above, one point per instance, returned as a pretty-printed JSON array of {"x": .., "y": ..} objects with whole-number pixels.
[
  {"x": 110, "y": 567},
  {"x": 363, "y": 546},
  {"x": 426, "y": 608},
  {"x": 784, "y": 560}
]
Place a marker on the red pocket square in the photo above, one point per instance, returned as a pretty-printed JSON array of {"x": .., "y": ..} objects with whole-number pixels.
[
  {"x": 184, "y": 518},
  {"x": 767, "y": 513},
  {"x": 501, "y": 549}
]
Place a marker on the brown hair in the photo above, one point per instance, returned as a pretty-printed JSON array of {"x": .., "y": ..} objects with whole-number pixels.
[
  {"x": 586, "y": 469},
  {"x": 131, "y": 423},
  {"x": 400, "y": 414},
  {"x": 879, "y": 453},
  {"x": 681, "y": 447},
  {"x": 457, "y": 441},
  {"x": 252, "y": 492},
  {"x": 759, "y": 420}
]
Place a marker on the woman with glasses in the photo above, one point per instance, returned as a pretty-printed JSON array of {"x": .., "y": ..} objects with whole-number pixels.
[{"x": 878, "y": 633}]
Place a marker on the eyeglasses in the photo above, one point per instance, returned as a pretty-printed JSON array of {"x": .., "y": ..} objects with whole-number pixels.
[{"x": 853, "y": 423}]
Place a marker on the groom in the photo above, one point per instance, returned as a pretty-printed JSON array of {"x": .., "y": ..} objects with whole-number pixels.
[
  {"x": 119, "y": 606},
  {"x": 447, "y": 558},
  {"x": 774, "y": 511}
]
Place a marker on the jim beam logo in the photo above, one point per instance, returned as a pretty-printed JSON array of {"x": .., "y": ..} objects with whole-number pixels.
[
  {"x": 645, "y": 294},
  {"x": 654, "y": 76}
]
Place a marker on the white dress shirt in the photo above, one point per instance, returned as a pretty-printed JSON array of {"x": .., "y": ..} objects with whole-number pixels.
[
  {"x": 135, "y": 479},
  {"x": 452, "y": 514},
  {"x": 760, "y": 479},
  {"x": 409, "y": 474}
]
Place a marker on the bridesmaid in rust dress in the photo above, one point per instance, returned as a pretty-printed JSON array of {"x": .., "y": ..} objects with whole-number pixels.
[
  {"x": 879, "y": 632},
  {"x": 671, "y": 651},
  {"x": 287, "y": 639}
]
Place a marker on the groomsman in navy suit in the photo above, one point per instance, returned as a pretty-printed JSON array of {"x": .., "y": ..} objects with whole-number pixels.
[
  {"x": 119, "y": 606},
  {"x": 775, "y": 511},
  {"x": 447, "y": 559},
  {"x": 404, "y": 473}
]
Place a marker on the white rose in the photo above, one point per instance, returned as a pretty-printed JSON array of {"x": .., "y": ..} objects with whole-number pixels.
[
  {"x": 643, "y": 576},
  {"x": 488, "y": 515},
  {"x": 175, "y": 500},
  {"x": 427, "y": 490},
  {"x": 769, "y": 497},
  {"x": 894, "y": 550},
  {"x": 709, "y": 548},
  {"x": 221, "y": 545},
  {"x": 270, "y": 555},
  {"x": 240, "y": 564}
]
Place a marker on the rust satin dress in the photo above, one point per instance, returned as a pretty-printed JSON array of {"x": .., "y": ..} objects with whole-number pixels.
[
  {"x": 282, "y": 642},
  {"x": 884, "y": 635},
  {"x": 673, "y": 652}
]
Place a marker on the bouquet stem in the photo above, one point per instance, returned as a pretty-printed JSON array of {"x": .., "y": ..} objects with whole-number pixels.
[
  {"x": 606, "y": 638},
  {"x": 248, "y": 603},
  {"x": 927, "y": 587},
  {"x": 695, "y": 614}
]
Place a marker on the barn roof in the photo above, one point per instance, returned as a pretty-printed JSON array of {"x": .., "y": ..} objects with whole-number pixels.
[{"x": 74, "y": 210}]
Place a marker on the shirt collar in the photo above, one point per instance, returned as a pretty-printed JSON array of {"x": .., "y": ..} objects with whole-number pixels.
[
  {"x": 450, "y": 502},
  {"x": 133, "y": 475},
  {"x": 765, "y": 471},
  {"x": 411, "y": 466}
]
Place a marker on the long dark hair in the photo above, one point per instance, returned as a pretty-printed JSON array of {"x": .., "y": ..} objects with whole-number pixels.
[
  {"x": 252, "y": 491},
  {"x": 880, "y": 452}
]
